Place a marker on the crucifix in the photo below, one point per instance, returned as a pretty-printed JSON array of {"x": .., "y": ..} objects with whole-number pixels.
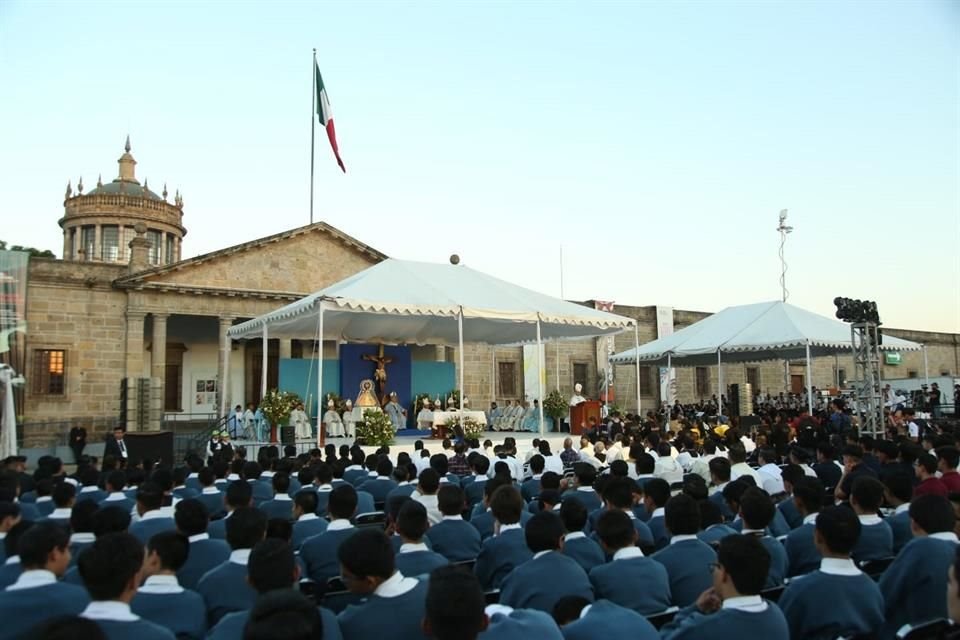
[{"x": 380, "y": 375}]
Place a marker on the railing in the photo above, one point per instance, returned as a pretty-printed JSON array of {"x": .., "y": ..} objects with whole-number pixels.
[{"x": 194, "y": 441}]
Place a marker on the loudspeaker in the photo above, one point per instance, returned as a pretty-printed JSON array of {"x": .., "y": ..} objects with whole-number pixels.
[
  {"x": 288, "y": 435},
  {"x": 745, "y": 399},
  {"x": 733, "y": 401},
  {"x": 152, "y": 445}
]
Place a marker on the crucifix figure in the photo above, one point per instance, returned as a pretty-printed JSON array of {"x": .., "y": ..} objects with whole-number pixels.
[{"x": 380, "y": 375}]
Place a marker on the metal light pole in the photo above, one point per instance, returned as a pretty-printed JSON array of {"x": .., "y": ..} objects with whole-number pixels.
[{"x": 783, "y": 229}]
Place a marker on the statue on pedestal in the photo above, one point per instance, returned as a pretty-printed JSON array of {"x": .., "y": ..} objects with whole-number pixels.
[{"x": 366, "y": 399}]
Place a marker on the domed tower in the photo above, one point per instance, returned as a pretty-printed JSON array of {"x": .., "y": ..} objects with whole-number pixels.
[{"x": 99, "y": 225}]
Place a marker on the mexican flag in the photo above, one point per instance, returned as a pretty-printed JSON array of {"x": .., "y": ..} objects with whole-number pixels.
[{"x": 326, "y": 116}]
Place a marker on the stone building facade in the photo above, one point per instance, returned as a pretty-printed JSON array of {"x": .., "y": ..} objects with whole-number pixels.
[{"x": 121, "y": 330}]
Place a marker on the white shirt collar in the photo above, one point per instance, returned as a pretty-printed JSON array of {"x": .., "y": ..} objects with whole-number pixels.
[
  {"x": 33, "y": 578},
  {"x": 282, "y": 497},
  {"x": 233, "y": 477},
  {"x": 339, "y": 525},
  {"x": 839, "y": 567},
  {"x": 810, "y": 519},
  {"x": 89, "y": 489},
  {"x": 12, "y": 560},
  {"x": 49, "y": 498},
  {"x": 395, "y": 585},
  {"x": 453, "y": 518},
  {"x": 658, "y": 512},
  {"x": 949, "y": 536},
  {"x": 508, "y": 527},
  {"x": 109, "y": 610},
  {"x": 161, "y": 585},
  {"x": 209, "y": 491},
  {"x": 904, "y": 508},
  {"x": 198, "y": 537},
  {"x": 681, "y": 538},
  {"x": 539, "y": 554},
  {"x": 574, "y": 536},
  {"x": 627, "y": 553},
  {"x": 63, "y": 513},
  {"x": 410, "y": 547},
  {"x": 869, "y": 519},
  {"x": 240, "y": 556},
  {"x": 586, "y": 489},
  {"x": 308, "y": 516},
  {"x": 750, "y": 604},
  {"x": 84, "y": 537},
  {"x": 746, "y": 531},
  {"x": 156, "y": 513},
  {"x": 115, "y": 496}
]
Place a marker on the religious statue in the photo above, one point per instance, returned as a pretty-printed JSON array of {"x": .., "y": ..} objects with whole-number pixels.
[
  {"x": 366, "y": 399},
  {"x": 380, "y": 374}
]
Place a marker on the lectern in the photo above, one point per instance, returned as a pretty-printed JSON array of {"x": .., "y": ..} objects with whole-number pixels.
[{"x": 581, "y": 414}]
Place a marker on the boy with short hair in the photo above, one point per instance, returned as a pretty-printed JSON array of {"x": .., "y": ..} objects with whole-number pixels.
[{"x": 161, "y": 599}]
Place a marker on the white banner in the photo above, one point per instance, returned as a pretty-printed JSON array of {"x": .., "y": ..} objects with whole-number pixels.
[
  {"x": 668, "y": 377},
  {"x": 534, "y": 378}
]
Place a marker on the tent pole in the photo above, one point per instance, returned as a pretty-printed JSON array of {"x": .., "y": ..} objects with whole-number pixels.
[
  {"x": 460, "y": 354},
  {"x": 719, "y": 385},
  {"x": 836, "y": 371},
  {"x": 669, "y": 390},
  {"x": 321, "y": 403},
  {"x": 809, "y": 382},
  {"x": 263, "y": 368},
  {"x": 541, "y": 375},
  {"x": 493, "y": 373},
  {"x": 636, "y": 359},
  {"x": 926, "y": 373}
]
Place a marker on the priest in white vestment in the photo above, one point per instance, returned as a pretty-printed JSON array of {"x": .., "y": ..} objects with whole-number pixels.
[
  {"x": 349, "y": 422},
  {"x": 425, "y": 416},
  {"x": 332, "y": 421},
  {"x": 300, "y": 422}
]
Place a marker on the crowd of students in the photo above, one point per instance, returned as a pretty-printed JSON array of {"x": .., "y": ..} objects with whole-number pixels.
[{"x": 689, "y": 535}]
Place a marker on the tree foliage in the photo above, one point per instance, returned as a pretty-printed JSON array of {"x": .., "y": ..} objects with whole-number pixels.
[{"x": 34, "y": 253}]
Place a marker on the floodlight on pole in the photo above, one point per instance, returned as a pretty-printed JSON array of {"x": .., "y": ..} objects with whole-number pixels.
[{"x": 783, "y": 228}]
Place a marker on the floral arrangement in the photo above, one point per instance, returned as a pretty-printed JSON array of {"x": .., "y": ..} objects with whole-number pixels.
[
  {"x": 555, "y": 405},
  {"x": 376, "y": 430},
  {"x": 471, "y": 428},
  {"x": 278, "y": 405},
  {"x": 614, "y": 408}
]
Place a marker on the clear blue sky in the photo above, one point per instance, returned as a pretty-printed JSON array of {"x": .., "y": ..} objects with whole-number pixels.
[{"x": 656, "y": 141}]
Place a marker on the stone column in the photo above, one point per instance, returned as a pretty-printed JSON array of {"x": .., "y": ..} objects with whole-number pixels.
[
  {"x": 285, "y": 348},
  {"x": 441, "y": 353},
  {"x": 133, "y": 366},
  {"x": 96, "y": 244},
  {"x": 67, "y": 247},
  {"x": 223, "y": 365},
  {"x": 162, "y": 253},
  {"x": 158, "y": 365}
]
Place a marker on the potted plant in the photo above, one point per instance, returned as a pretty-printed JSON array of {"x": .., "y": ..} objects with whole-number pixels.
[
  {"x": 376, "y": 430},
  {"x": 277, "y": 407},
  {"x": 555, "y": 407}
]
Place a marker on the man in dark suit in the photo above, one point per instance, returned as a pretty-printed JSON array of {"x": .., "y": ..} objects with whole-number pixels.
[
  {"x": 116, "y": 447},
  {"x": 78, "y": 440}
]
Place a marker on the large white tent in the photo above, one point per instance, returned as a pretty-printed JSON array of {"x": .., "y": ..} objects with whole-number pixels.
[
  {"x": 753, "y": 333},
  {"x": 406, "y": 302}
]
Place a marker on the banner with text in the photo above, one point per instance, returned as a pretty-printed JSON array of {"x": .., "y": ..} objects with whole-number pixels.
[
  {"x": 534, "y": 377},
  {"x": 668, "y": 377},
  {"x": 605, "y": 349}
]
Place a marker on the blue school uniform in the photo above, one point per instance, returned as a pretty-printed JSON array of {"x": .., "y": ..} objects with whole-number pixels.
[
  {"x": 320, "y": 552},
  {"x": 280, "y": 506},
  {"x": 379, "y": 487},
  {"x": 583, "y": 550},
  {"x": 687, "y": 561},
  {"x": 747, "y": 617},
  {"x": 133, "y": 630},
  {"x": 150, "y": 524},
  {"x": 658, "y": 527},
  {"x": 396, "y": 612},
  {"x": 900, "y": 525},
  {"x": 36, "y": 597},
  {"x": 633, "y": 581},
  {"x": 225, "y": 589},
  {"x": 914, "y": 585},
  {"x": 162, "y": 601},
  {"x": 791, "y": 515},
  {"x": 802, "y": 554},
  {"x": 605, "y": 619},
  {"x": 520, "y": 624},
  {"x": 875, "y": 542},
  {"x": 455, "y": 539},
  {"x": 837, "y": 581},
  {"x": 307, "y": 526},
  {"x": 586, "y": 496},
  {"x": 205, "y": 554},
  {"x": 499, "y": 555},
  {"x": 231, "y": 626},
  {"x": 715, "y": 533},
  {"x": 541, "y": 581},
  {"x": 415, "y": 560}
]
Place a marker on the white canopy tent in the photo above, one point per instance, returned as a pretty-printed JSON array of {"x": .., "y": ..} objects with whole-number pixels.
[
  {"x": 752, "y": 333},
  {"x": 405, "y": 302}
]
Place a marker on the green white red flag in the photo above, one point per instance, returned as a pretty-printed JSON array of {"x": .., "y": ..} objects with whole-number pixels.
[{"x": 325, "y": 114}]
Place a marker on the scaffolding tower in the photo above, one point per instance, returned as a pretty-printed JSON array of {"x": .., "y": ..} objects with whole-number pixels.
[{"x": 865, "y": 339}]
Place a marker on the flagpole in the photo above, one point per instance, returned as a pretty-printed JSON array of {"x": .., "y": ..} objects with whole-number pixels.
[{"x": 313, "y": 124}]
